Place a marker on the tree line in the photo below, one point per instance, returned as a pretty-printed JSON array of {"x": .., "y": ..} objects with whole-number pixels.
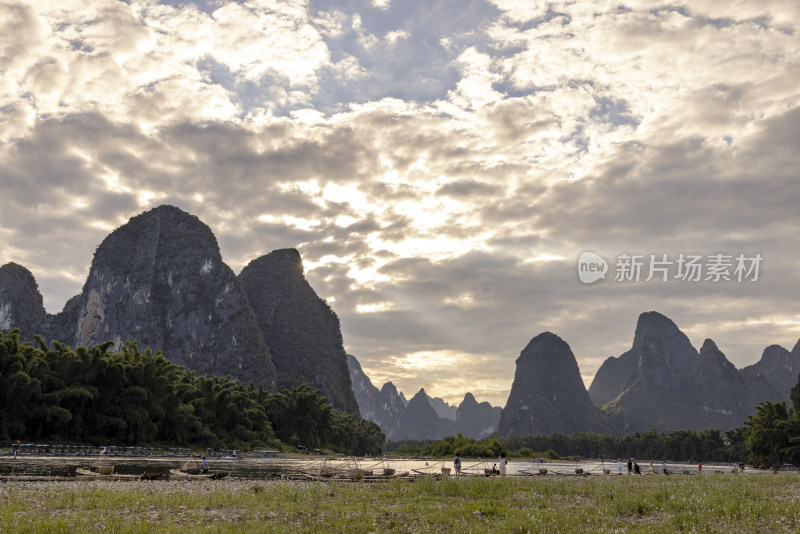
[
  {"x": 707, "y": 446},
  {"x": 772, "y": 434},
  {"x": 99, "y": 396},
  {"x": 126, "y": 397},
  {"x": 770, "y": 437}
]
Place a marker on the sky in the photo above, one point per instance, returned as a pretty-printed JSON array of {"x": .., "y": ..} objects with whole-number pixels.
[{"x": 442, "y": 166}]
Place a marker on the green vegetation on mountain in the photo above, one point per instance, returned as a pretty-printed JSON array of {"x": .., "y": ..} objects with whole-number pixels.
[{"x": 134, "y": 397}]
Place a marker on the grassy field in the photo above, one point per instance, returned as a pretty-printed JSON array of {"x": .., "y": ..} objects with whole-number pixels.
[{"x": 710, "y": 503}]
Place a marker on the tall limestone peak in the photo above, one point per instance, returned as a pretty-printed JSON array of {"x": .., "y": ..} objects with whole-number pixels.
[
  {"x": 382, "y": 407},
  {"x": 721, "y": 392},
  {"x": 661, "y": 357},
  {"x": 547, "y": 395},
  {"x": 653, "y": 384},
  {"x": 301, "y": 330},
  {"x": 666, "y": 356},
  {"x": 663, "y": 383},
  {"x": 713, "y": 360},
  {"x": 21, "y": 304},
  {"x": 443, "y": 408},
  {"x": 160, "y": 279},
  {"x": 779, "y": 367},
  {"x": 389, "y": 391},
  {"x": 476, "y": 420},
  {"x": 420, "y": 421},
  {"x": 653, "y": 323},
  {"x": 468, "y": 401}
]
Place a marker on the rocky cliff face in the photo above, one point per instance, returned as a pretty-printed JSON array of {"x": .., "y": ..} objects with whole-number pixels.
[
  {"x": 663, "y": 383},
  {"x": 383, "y": 407},
  {"x": 301, "y": 330},
  {"x": 723, "y": 396},
  {"x": 443, "y": 409},
  {"x": 547, "y": 395},
  {"x": 778, "y": 367},
  {"x": 21, "y": 304},
  {"x": 420, "y": 421},
  {"x": 476, "y": 420},
  {"x": 160, "y": 280}
]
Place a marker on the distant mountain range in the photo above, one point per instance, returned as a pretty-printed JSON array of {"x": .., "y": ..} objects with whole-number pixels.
[
  {"x": 160, "y": 280},
  {"x": 661, "y": 383},
  {"x": 422, "y": 417}
]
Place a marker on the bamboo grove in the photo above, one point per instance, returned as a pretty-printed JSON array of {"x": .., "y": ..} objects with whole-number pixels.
[{"x": 95, "y": 395}]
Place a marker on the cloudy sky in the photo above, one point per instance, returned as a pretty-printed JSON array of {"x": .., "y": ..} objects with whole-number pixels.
[{"x": 440, "y": 164}]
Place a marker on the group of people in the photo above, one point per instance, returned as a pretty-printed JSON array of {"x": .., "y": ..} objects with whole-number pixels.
[
  {"x": 498, "y": 468},
  {"x": 634, "y": 469}
]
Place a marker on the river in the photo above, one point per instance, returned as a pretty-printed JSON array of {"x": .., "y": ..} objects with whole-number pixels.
[{"x": 254, "y": 468}]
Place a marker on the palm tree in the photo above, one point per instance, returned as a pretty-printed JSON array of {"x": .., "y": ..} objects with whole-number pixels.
[{"x": 765, "y": 436}]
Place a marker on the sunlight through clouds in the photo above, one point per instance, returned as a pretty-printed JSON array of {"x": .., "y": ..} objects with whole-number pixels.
[{"x": 439, "y": 165}]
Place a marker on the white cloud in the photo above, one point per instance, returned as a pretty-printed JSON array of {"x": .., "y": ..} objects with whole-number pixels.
[{"x": 419, "y": 155}]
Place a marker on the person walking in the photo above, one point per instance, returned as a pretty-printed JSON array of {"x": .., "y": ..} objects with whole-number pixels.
[
  {"x": 501, "y": 462},
  {"x": 457, "y": 464},
  {"x": 619, "y": 466},
  {"x": 630, "y": 466}
]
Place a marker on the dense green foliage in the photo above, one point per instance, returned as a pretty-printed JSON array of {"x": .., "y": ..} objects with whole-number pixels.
[
  {"x": 449, "y": 446},
  {"x": 773, "y": 433},
  {"x": 133, "y": 397},
  {"x": 681, "y": 445}
]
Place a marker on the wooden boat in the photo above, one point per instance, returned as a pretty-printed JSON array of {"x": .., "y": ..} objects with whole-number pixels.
[{"x": 175, "y": 473}]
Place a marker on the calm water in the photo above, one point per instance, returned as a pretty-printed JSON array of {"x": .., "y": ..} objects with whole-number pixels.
[{"x": 261, "y": 468}]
